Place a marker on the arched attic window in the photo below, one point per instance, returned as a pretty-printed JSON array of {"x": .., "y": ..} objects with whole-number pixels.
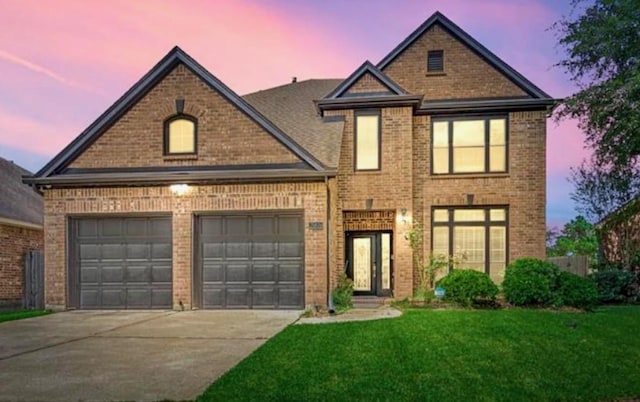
[{"x": 181, "y": 135}]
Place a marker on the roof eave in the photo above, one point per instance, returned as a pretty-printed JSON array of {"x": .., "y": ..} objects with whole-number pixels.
[
  {"x": 486, "y": 106},
  {"x": 369, "y": 102},
  {"x": 159, "y": 178}
]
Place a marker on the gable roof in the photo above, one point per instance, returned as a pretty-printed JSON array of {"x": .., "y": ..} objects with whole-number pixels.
[
  {"x": 144, "y": 85},
  {"x": 366, "y": 68},
  {"x": 18, "y": 201},
  {"x": 291, "y": 107},
  {"x": 474, "y": 45}
]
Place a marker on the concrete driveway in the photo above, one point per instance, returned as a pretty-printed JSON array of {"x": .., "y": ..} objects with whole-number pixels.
[{"x": 117, "y": 355}]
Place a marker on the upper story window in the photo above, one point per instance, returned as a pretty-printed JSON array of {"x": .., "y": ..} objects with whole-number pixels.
[
  {"x": 180, "y": 135},
  {"x": 435, "y": 61},
  {"x": 367, "y": 140},
  {"x": 469, "y": 145}
]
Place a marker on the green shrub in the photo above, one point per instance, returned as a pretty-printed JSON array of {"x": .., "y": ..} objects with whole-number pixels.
[
  {"x": 466, "y": 286},
  {"x": 576, "y": 291},
  {"x": 529, "y": 281},
  {"x": 616, "y": 286},
  {"x": 343, "y": 293}
]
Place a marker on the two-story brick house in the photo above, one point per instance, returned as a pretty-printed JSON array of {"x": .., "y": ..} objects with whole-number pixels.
[{"x": 185, "y": 195}]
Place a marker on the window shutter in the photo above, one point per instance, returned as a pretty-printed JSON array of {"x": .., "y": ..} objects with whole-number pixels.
[{"x": 435, "y": 61}]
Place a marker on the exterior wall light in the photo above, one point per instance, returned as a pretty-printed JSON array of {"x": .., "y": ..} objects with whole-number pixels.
[{"x": 179, "y": 189}]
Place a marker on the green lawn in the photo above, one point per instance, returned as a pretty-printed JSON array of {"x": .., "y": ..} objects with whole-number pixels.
[
  {"x": 450, "y": 355},
  {"x": 20, "y": 314}
]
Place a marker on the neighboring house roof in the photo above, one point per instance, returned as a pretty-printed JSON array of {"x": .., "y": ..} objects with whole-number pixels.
[
  {"x": 19, "y": 203},
  {"x": 629, "y": 207},
  {"x": 291, "y": 107},
  {"x": 144, "y": 85},
  {"x": 477, "y": 47}
]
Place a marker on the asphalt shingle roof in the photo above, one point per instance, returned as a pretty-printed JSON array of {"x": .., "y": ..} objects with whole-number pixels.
[
  {"x": 18, "y": 201},
  {"x": 291, "y": 107}
]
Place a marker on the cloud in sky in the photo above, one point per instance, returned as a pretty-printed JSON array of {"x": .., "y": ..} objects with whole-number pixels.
[{"x": 65, "y": 62}]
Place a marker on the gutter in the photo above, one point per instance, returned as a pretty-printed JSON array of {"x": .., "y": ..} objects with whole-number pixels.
[
  {"x": 160, "y": 178},
  {"x": 329, "y": 298},
  {"x": 20, "y": 224}
]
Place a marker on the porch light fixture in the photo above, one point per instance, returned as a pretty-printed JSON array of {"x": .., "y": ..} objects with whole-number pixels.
[
  {"x": 403, "y": 216},
  {"x": 179, "y": 189}
]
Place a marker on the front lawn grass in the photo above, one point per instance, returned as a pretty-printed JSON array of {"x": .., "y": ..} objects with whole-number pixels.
[
  {"x": 20, "y": 314},
  {"x": 451, "y": 355}
]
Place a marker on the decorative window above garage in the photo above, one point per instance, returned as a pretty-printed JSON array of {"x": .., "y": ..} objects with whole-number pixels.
[{"x": 180, "y": 135}]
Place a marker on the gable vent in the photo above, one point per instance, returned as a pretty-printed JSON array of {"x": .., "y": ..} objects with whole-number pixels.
[{"x": 435, "y": 61}]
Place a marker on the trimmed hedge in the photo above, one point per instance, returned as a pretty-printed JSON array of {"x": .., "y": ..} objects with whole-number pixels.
[
  {"x": 533, "y": 282},
  {"x": 616, "y": 286},
  {"x": 466, "y": 286},
  {"x": 576, "y": 291},
  {"x": 529, "y": 281}
]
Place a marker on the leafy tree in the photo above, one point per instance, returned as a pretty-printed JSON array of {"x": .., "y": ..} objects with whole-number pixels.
[
  {"x": 578, "y": 237},
  {"x": 603, "y": 59},
  {"x": 600, "y": 190}
]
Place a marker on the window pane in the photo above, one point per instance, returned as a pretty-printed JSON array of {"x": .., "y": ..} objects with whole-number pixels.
[
  {"x": 440, "y": 241},
  {"x": 497, "y": 131},
  {"x": 441, "y": 134},
  {"x": 468, "y": 215},
  {"x": 440, "y": 215},
  {"x": 468, "y": 133},
  {"x": 468, "y": 159},
  {"x": 386, "y": 260},
  {"x": 498, "y": 255},
  {"x": 468, "y": 242},
  {"x": 498, "y": 244},
  {"x": 498, "y": 215},
  {"x": 497, "y": 158},
  {"x": 440, "y": 160},
  {"x": 181, "y": 136},
  {"x": 367, "y": 146}
]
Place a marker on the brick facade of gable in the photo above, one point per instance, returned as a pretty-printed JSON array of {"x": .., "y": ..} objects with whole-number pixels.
[
  {"x": 226, "y": 136},
  {"x": 367, "y": 83},
  {"x": 466, "y": 75}
]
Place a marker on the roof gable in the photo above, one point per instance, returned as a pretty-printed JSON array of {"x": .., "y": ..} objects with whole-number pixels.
[
  {"x": 167, "y": 64},
  {"x": 439, "y": 19},
  {"x": 366, "y": 71}
]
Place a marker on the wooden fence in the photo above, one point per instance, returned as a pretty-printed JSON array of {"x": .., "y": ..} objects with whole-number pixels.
[
  {"x": 577, "y": 264},
  {"x": 33, "y": 280}
]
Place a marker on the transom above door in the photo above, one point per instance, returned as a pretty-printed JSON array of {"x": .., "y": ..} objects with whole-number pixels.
[{"x": 368, "y": 262}]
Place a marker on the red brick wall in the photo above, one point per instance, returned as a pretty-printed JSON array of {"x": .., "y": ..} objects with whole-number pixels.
[
  {"x": 62, "y": 203},
  {"x": 226, "y": 136},
  {"x": 390, "y": 189},
  {"x": 523, "y": 189},
  {"x": 466, "y": 75},
  {"x": 14, "y": 243}
]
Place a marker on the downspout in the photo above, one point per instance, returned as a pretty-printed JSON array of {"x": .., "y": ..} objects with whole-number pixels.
[{"x": 328, "y": 256}]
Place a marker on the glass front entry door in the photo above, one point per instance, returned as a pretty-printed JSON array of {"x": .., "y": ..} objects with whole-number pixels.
[{"x": 368, "y": 262}]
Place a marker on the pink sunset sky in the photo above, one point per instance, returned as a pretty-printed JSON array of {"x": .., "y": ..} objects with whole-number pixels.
[{"x": 62, "y": 63}]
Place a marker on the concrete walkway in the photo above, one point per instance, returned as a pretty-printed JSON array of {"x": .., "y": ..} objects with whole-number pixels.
[
  {"x": 356, "y": 314},
  {"x": 117, "y": 355}
]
